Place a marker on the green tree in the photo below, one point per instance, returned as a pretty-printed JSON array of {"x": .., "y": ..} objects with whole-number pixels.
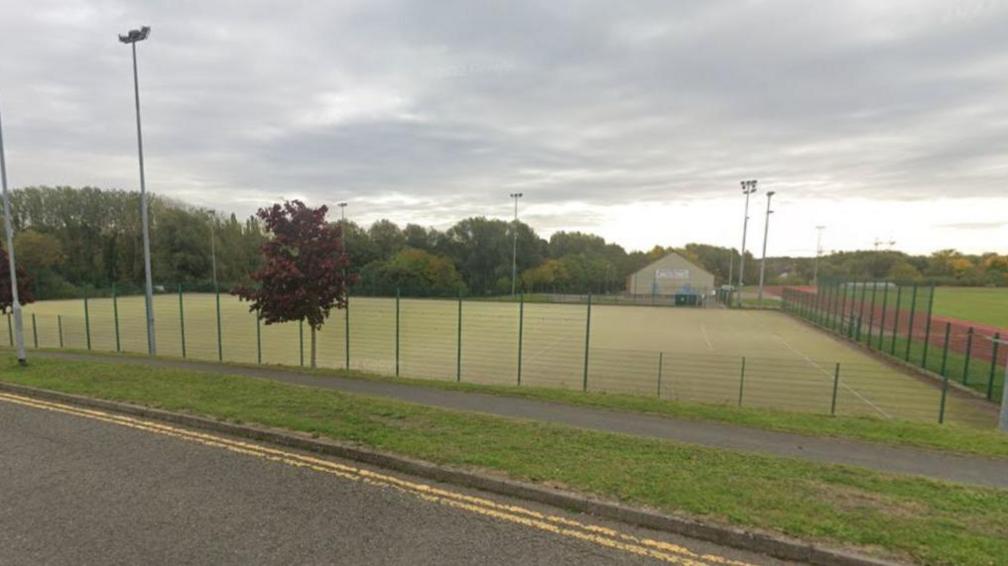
[{"x": 386, "y": 238}]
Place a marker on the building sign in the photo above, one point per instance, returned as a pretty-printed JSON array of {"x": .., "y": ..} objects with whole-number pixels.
[{"x": 674, "y": 274}]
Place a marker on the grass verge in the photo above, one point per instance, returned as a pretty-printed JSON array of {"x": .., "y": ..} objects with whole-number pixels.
[
  {"x": 949, "y": 437},
  {"x": 901, "y": 517}
]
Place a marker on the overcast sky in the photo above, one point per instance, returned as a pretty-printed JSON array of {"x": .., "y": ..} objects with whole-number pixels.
[{"x": 633, "y": 120}]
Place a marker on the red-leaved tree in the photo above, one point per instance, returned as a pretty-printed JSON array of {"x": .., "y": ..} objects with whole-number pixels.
[
  {"x": 302, "y": 277},
  {"x": 23, "y": 282}
]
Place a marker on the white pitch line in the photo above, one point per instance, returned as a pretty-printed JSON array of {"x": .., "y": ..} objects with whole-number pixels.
[
  {"x": 830, "y": 376},
  {"x": 546, "y": 348},
  {"x": 703, "y": 330}
]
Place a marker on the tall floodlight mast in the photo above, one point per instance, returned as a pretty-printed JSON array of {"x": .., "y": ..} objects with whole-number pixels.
[
  {"x": 131, "y": 39},
  {"x": 748, "y": 188}
]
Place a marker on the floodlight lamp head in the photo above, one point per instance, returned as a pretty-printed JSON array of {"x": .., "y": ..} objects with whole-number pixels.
[
  {"x": 771, "y": 193},
  {"x": 135, "y": 35}
]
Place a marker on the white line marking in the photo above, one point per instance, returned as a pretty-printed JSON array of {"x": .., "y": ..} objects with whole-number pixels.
[
  {"x": 830, "y": 376},
  {"x": 703, "y": 330}
]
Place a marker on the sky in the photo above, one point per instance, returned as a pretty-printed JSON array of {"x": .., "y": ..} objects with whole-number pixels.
[{"x": 882, "y": 121}]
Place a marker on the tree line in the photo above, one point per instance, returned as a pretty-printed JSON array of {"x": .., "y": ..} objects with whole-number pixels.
[{"x": 70, "y": 239}]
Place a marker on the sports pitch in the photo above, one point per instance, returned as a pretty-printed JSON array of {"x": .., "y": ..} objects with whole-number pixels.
[
  {"x": 687, "y": 354},
  {"x": 985, "y": 305}
]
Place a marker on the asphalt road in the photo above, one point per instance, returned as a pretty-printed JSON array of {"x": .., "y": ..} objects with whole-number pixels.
[{"x": 85, "y": 487}]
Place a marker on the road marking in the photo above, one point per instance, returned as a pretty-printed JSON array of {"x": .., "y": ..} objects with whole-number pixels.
[
  {"x": 703, "y": 330},
  {"x": 602, "y": 536},
  {"x": 830, "y": 376}
]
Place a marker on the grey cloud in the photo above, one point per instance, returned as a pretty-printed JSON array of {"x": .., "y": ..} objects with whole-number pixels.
[{"x": 449, "y": 105}]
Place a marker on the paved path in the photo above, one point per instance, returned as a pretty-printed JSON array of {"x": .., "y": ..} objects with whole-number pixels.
[
  {"x": 934, "y": 464},
  {"x": 87, "y": 487}
]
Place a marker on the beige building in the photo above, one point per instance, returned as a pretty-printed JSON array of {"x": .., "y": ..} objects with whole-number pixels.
[{"x": 669, "y": 276}]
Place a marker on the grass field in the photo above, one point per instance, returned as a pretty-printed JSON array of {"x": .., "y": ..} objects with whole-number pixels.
[
  {"x": 907, "y": 518},
  {"x": 671, "y": 353},
  {"x": 986, "y": 305}
]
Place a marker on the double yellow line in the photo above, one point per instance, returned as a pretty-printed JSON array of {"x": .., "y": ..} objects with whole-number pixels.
[{"x": 562, "y": 526}]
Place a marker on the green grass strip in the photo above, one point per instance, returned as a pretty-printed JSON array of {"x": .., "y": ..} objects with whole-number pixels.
[
  {"x": 949, "y": 437},
  {"x": 900, "y": 517}
]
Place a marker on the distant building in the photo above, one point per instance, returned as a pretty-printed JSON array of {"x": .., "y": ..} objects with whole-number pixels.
[{"x": 672, "y": 276}]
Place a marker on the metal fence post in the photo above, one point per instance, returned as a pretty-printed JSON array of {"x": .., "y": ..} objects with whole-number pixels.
[
  {"x": 993, "y": 367},
  {"x": 458, "y": 347},
  {"x": 59, "y": 329},
  {"x": 10, "y": 330},
  {"x": 969, "y": 350},
  {"x": 871, "y": 315},
  {"x": 896, "y": 318},
  {"x": 861, "y": 306},
  {"x": 346, "y": 331},
  {"x": 659, "y": 373},
  {"x": 944, "y": 374},
  {"x": 910, "y": 324},
  {"x": 927, "y": 328},
  {"x": 220, "y": 342},
  {"x": 87, "y": 321},
  {"x": 1003, "y": 417},
  {"x": 34, "y": 331},
  {"x": 258, "y": 337},
  {"x": 817, "y": 305},
  {"x": 836, "y": 384},
  {"x": 115, "y": 315},
  {"x": 741, "y": 382},
  {"x": 397, "y": 332},
  {"x": 948, "y": 330},
  {"x": 521, "y": 328},
  {"x": 584, "y": 382},
  {"x": 181, "y": 317},
  {"x": 885, "y": 306},
  {"x": 835, "y": 293},
  {"x": 301, "y": 342},
  {"x": 843, "y": 311}
]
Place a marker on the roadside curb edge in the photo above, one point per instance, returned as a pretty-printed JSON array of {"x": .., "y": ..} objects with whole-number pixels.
[{"x": 774, "y": 545}]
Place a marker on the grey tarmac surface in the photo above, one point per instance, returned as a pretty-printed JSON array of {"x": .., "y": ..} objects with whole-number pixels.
[
  {"x": 958, "y": 468},
  {"x": 76, "y": 490}
]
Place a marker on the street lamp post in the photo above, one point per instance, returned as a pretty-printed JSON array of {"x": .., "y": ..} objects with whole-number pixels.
[
  {"x": 766, "y": 230},
  {"x": 514, "y": 247},
  {"x": 818, "y": 252},
  {"x": 9, "y": 229},
  {"x": 131, "y": 38},
  {"x": 748, "y": 188}
]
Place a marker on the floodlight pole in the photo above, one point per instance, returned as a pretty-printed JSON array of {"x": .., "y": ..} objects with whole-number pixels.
[
  {"x": 766, "y": 230},
  {"x": 514, "y": 248},
  {"x": 9, "y": 230},
  {"x": 731, "y": 265},
  {"x": 342, "y": 222},
  {"x": 342, "y": 233},
  {"x": 748, "y": 188},
  {"x": 818, "y": 252},
  {"x": 132, "y": 38},
  {"x": 213, "y": 253}
]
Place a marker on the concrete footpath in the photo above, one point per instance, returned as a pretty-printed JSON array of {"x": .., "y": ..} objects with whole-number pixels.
[{"x": 977, "y": 470}]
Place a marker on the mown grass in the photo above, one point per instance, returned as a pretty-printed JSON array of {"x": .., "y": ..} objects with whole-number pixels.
[
  {"x": 949, "y": 437},
  {"x": 985, "y": 305},
  {"x": 901, "y": 517}
]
